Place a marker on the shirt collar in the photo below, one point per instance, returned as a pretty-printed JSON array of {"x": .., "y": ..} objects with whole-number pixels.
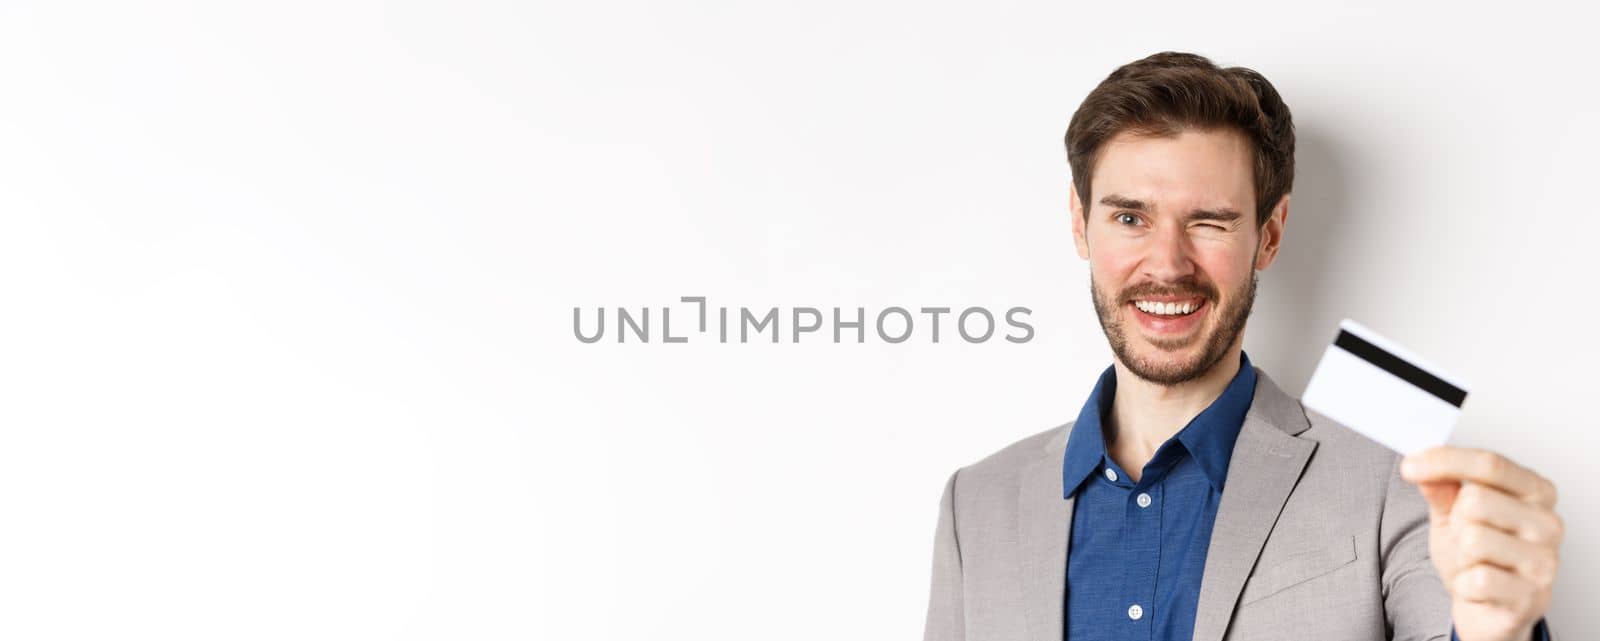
[{"x": 1209, "y": 437}]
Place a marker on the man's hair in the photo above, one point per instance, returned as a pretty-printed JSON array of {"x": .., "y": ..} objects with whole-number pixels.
[{"x": 1169, "y": 92}]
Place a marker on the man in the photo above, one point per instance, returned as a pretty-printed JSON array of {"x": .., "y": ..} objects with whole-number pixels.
[{"x": 1191, "y": 497}]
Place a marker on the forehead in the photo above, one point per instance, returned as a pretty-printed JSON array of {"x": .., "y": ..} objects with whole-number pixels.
[{"x": 1210, "y": 168}]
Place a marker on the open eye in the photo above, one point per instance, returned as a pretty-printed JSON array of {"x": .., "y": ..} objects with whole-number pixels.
[{"x": 1130, "y": 217}]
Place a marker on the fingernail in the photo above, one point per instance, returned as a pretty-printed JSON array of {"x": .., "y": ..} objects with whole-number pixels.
[{"x": 1408, "y": 466}]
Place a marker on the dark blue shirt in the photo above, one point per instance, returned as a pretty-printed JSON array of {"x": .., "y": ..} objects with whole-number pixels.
[{"x": 1138, "y": 550}]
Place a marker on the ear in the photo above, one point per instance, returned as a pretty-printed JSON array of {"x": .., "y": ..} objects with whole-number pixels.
[
  {"x": 1272, "y": 234},
  {"x": 1079, "y": 234}
]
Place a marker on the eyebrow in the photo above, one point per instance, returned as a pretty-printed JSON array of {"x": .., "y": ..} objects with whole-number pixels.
[{"x": 1121, "y": 202}]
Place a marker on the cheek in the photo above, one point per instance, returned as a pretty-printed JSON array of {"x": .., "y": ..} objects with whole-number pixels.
[
  {"x": 1228, "y": 270},
  {"x": 1114, "y": 262},
  {"x": 1111, "y": 276}
]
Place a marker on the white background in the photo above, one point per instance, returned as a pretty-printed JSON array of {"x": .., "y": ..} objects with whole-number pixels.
[{"x": 286, "y": 349}]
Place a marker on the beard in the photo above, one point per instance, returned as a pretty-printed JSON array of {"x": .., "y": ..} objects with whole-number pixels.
[{"x": 1229, "y": 324}]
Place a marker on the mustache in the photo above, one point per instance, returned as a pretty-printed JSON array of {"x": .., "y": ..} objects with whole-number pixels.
[{"x": 1187, "y": 289}]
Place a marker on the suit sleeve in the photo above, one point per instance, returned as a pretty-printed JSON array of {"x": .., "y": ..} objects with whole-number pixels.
[
  {"x": 946, "y": 615},
  {"x": 1541, "y": 632},
  {"x": 1414, "y": 600}
]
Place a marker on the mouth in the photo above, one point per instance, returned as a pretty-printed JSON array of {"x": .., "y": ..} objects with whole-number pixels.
[{"x": 1170, "y": 316}]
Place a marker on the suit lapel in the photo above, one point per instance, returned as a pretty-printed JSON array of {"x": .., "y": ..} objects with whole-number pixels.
[
  {"x": 1044, "y": 527},
  {"x": 1265, "y": 466}
]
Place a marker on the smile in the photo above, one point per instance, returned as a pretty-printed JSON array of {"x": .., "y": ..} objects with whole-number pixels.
[
  {"x": 1168, "y": 308},
  {"x": 1170, "y": 318}
]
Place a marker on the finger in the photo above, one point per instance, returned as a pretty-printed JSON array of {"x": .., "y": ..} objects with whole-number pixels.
[
  {"x": 1493, "y": 585},
  {"x": 1462, "y": 464},
  {"x": 1441, "y": 496},
  {"x": 1480, "y": 503},
  {"x": 1480, "y": 544}
]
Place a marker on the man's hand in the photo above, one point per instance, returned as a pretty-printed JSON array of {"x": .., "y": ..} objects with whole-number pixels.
[{"x": 1493, "y": 536}]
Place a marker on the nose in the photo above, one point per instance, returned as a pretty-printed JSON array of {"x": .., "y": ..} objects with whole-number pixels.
[{"x": 1170, "y": 258}]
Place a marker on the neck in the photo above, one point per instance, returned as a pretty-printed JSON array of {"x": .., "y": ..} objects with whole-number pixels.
[{"x": 1144, "y": 414}]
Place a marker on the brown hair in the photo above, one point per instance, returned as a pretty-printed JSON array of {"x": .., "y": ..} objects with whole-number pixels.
[{"x": 1169, "y": 92}]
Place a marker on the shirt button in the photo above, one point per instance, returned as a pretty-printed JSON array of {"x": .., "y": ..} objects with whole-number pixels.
[
  {"x": 1111, "y": 474},
  {"x": 1143, "y": 499},
  {"x": 1135, "y": 612}
]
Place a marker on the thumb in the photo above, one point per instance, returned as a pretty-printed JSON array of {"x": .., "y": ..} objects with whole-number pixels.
[{"x": 1440, "y": 495}]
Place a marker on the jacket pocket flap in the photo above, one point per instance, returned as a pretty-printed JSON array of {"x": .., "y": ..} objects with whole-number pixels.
[{"x": 1298, "y": 568}]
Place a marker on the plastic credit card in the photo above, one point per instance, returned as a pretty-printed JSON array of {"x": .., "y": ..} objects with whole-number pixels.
[{"x": 1384, "y": 391}]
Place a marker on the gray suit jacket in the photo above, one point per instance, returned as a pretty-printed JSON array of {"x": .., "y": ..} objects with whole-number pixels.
[{"x": 1316, "y": 537}]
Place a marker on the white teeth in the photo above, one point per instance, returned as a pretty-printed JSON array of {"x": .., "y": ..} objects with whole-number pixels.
[{"x": 1165, "y": 309}]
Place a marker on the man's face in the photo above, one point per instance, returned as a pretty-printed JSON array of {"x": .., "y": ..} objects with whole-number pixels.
[{"x": 1173, "y": 248}]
